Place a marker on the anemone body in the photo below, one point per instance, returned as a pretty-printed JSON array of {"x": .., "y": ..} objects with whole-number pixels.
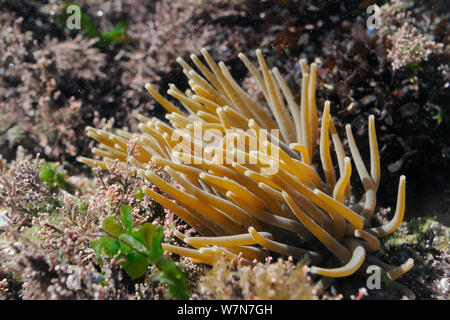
[{"x": 244, "y": 178}]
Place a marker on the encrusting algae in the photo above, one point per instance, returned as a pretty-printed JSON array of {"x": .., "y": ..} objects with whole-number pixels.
[{"x": 263, "y": 193}]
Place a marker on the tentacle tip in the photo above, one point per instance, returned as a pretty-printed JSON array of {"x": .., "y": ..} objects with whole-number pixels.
[
  {"x": 313, "y": 270},
  {"x": 410, "y": 262}
]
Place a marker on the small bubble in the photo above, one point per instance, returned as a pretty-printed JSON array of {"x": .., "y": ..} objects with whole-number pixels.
[{"x": 100, "y": 13}]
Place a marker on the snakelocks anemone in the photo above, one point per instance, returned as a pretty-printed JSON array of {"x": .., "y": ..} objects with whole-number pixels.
[{"x": 245, "y": 178}]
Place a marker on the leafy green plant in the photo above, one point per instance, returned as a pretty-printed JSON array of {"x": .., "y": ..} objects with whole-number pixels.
[{"x": 139, "y": 249}]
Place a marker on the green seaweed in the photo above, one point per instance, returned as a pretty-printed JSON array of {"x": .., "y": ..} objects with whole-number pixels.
[{"x": 53, "y": 176}]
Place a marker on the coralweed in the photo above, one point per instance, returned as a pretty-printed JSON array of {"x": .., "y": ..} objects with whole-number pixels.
[{"x": 275, "y": 200}]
